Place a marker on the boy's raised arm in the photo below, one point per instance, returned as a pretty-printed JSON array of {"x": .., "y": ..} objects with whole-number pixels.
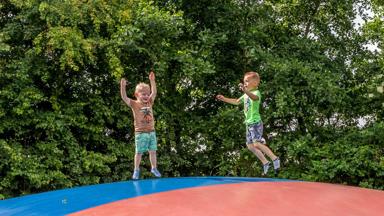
[
  {"x": 153, "y": 85},
  {"x": 123, "y": 93},
  {"x": 250, "y": 94}
]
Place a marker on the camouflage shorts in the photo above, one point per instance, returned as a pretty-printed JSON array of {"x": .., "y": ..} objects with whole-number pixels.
[{"x": 255, "y": 133}]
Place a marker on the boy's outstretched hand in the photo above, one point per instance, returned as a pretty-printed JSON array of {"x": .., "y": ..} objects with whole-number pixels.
[
  {"x": 219, "y": 97},
  {"x": 152, "y": 76}
]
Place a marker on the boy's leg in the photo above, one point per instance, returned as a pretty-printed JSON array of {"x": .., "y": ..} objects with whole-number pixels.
[
  {"x": 140, "y": 148},
  {"x": 261, "y": 157},
  {"x": 266, "y": 150},
  {"x": 256, "y": 143},
  {"x": 152, "y": 147},
  {"x": 137, "y": 161},
  {"x": 254, "y": 133},
  {"x": 258, "y": 153},
  {"x": 136, "y": 171},
  {"x": 140, "y": 145},
  {"x": 153, "y": 159}
]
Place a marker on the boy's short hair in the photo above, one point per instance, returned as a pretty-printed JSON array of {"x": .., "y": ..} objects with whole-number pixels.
[
  {"x": 252, "y": 74},
  {"x": 141, "y": 86}
]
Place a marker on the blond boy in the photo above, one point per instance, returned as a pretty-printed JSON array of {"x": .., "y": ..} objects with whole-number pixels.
[
  {"x": 145, "y": 135},
  {"x": 254, "y": 136}
]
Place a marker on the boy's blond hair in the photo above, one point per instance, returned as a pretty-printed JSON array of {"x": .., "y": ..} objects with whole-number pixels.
[
  {"x": 253, "y": 75},
  {"x": 141, "y": 86}
]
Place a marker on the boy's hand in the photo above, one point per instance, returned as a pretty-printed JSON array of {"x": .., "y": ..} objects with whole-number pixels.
[
  {"x": 220, "y": 97},
  {"x": 123, "y": 82},
  {"x": 241, "y": 86},
  {"x": 152, "y": 76}
]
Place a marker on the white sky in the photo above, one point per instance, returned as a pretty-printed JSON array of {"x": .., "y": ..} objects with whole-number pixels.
[{"x": 359, "y": 21}]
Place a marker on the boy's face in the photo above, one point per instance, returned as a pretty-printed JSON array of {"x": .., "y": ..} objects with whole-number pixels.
[
  {"x": 143, "y": 95},
  {"x": 250, "y": 82}
]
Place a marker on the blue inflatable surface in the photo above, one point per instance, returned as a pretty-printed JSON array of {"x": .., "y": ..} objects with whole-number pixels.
[{"x": 66, "y": 201}]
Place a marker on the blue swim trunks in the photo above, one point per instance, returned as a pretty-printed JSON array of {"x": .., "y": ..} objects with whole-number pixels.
[
  {"x": 255, "y": 133},
  {"x": 145, "y": 141}
]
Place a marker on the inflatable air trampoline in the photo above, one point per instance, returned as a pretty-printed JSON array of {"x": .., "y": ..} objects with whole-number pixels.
[{"x": 195, "y": 196}]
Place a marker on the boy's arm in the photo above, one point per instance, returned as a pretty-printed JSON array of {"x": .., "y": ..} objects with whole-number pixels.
[
  {"x": 153, "y": 85},
  {"x": 123, "y": 93},
  {"x": 228, "y": 100},
  {"x": 247, "y": 92}
]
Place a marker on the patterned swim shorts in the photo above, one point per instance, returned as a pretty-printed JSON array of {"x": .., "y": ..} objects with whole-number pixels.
[{"x": 145, "y": 141}]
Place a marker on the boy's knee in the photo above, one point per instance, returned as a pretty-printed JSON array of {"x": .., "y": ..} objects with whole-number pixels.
[
  {"x": 257, "y": 145},
  {"x": 250, "y": 146}
]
